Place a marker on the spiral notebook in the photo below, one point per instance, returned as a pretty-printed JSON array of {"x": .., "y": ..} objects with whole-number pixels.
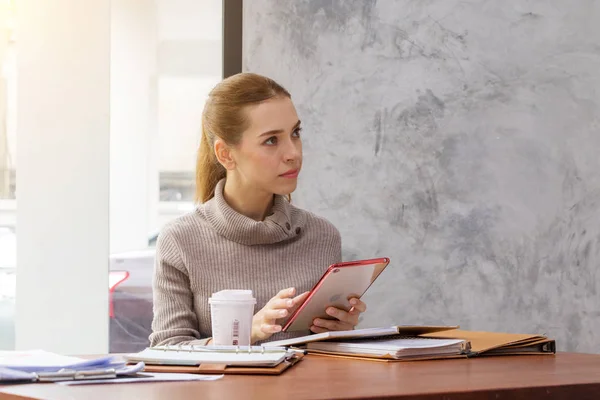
[{"x": 216, "y": 359}]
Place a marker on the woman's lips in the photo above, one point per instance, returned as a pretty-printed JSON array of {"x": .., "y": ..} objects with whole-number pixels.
[{"x": 290, "y": 174}]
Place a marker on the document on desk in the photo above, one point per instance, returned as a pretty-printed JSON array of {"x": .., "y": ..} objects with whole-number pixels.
[
  {"x": 197, "y": 355},
  {"x": 43, "y": 366},
  {"x": 8, "y": 375},
  {"x": 13, "y": 375},
  {"x": 44, "y": 361},
  {"x": 146, "y": 377}
]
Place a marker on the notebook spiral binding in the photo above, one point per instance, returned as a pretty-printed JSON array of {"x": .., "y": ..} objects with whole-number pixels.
[{"x": 221, "y": 349}]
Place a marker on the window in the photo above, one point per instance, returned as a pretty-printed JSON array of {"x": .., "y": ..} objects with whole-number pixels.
[{"x": 188, "y": 56}]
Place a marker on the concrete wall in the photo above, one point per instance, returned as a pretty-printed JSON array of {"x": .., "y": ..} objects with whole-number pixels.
[{"x": 459, "y": 138}]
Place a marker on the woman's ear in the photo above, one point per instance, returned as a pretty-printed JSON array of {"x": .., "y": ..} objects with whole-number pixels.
[{"x": 224, "y": 155}]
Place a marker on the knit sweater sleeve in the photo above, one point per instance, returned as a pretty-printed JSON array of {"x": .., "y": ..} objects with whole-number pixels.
[{"x": 175, "y": 321}]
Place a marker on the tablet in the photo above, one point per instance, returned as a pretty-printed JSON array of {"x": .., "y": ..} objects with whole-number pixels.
[{"x": 340, "y": 283}]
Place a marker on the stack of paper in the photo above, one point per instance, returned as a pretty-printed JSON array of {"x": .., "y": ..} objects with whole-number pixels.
[{"x": 394, "y": 348}]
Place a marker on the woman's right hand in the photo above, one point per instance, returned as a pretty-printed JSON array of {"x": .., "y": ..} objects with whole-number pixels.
[{"x": 264, "y": 322}]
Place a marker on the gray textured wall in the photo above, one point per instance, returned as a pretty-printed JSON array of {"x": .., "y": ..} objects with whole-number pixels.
[{"x": 459, "y": 138}]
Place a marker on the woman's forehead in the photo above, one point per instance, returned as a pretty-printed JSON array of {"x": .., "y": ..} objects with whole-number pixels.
[{"x": 276, "y": 113}]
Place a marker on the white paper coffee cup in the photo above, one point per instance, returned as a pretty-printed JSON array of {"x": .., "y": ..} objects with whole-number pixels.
[{"x": 231, "y": 313}]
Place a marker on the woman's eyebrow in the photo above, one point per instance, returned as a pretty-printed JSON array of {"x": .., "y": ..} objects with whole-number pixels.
[{"x": 277, "y": 131}]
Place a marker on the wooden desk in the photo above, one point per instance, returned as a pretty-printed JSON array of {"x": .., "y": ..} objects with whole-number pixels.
[{"x": 564, "y": 376}]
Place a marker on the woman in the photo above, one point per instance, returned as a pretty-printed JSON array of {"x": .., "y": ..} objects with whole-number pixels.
[{"x": 245, "y": 233}]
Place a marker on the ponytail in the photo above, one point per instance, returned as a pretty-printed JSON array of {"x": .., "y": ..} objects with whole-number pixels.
[{"x": 208, "y": 170}]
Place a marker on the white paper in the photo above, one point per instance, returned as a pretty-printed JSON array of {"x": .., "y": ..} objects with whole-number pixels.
[
  {"x": 146, "y": 377},
  {"x": 10, "y": 375},
  {"x": 39, "y": 358}
]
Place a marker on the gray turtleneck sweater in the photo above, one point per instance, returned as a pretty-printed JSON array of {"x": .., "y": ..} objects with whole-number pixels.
[{"x": 215, "y": 248}]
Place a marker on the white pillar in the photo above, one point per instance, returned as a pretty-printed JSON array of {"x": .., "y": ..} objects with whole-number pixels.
[
  {"x": 63, "y": 52},
  {"x": 133, "y": 169}
]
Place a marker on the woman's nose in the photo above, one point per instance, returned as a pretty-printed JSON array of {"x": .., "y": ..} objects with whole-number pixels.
[{"x": 293, "y": 151}]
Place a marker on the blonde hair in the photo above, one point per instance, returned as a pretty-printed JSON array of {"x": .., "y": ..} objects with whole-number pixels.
[{"x": 224, "y": 117}]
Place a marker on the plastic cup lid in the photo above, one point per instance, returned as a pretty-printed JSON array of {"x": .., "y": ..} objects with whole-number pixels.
[{"x": 236, "y": 296}]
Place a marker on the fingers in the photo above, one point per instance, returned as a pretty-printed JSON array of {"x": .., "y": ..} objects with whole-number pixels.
[
  {"x": 316, "y": 329},
  {"x": 349, "y": 317},
  {"x": 263, "y": 322},
  {"x": 358, "y": 305},
  {"x": 285, "y": 293},
  {"x": 300, "y": 298},
  {"x": 273, "y": 314},
  {"x": 332, "y": 325},
  {"x": 279, "y": 302},
  {"x": 270, "y": 329},
  {"x": 282, "y": 299}
]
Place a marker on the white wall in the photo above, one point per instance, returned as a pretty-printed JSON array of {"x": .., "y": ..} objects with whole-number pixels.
[{"x": 63, "y": 191}]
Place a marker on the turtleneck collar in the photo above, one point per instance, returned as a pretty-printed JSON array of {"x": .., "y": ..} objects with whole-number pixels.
[{"x": 282, "y": 224}]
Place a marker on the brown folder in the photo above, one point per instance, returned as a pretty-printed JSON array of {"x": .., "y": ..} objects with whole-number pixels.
[
  {"x": 227, "y": 369},
  {"x": 497, "y": 343}
]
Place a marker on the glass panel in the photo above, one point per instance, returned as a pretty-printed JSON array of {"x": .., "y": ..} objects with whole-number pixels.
[{"x": 188, "y": 64}]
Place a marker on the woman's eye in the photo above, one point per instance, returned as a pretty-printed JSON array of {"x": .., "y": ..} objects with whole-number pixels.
[
  {"x": 271, "y": 141},
  {"x": 296, "y": 133}
]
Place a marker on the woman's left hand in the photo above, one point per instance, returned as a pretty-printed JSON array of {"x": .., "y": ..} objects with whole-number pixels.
[{"x": 344, "y": 320}]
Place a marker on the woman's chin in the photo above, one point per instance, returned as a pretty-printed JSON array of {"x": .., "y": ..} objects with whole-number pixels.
[{"x": 286, "y": 188}]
